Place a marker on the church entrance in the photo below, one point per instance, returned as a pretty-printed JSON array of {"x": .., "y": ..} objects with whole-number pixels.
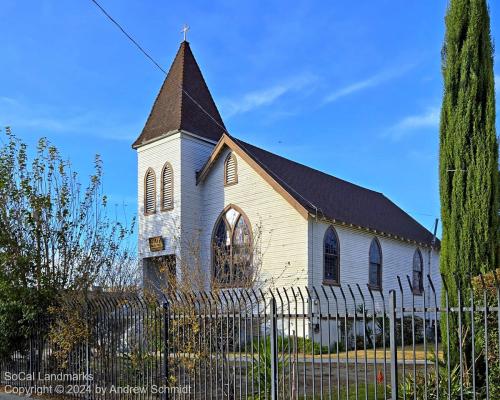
[{"x": 159, "y": 273}]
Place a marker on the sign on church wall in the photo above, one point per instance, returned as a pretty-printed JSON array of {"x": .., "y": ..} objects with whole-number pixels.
[{"x": 156, "y": 243}]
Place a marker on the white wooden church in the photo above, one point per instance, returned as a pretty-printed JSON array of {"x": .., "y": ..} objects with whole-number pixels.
[{"x": 210, "y": 200}]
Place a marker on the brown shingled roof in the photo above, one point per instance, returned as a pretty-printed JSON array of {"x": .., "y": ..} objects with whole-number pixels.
[
  {"x": 337, "y": 199},
  {"x": 330, "y": 197},
  {"x": 175, "y": 107}
]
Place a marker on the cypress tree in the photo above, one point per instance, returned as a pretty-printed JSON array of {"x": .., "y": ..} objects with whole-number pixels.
[{"x": 468, "y": 164}]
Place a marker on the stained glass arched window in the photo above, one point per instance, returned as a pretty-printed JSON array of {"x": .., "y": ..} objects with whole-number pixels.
[
  {"x": 375, "y": 267},
  {"x": 331, "y": 262},
  {"x": 418, "y": 272},
  {"x": 232, "y": 249}
]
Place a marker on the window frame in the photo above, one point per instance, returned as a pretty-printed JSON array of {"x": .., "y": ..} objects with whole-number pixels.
[
  {"x": 231, "y": 230},
  {"x": 162, "y": 188},
  {"x": 331, "y": 282},
  {"x": 149, "y": 171},
  {"x": 420, "y": 290},
  {"x": 377, "y": 286},
  {"x": 226, "y": 160}
]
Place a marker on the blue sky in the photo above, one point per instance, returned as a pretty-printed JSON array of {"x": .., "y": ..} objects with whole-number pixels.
[{"x": 350, "y": 88}]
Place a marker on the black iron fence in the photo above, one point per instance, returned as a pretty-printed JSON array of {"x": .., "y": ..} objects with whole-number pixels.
[{"x": 330, "y": 342}]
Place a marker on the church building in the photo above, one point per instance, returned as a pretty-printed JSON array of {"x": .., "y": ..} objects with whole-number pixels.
[{"x": 217, "y": 211}]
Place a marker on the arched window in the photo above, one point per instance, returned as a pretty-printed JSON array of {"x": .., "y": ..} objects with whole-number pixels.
[
  {"x": 331, "y": 263},
  {"x": 222, "y": 252},
  {"x": 149, "y": 192},
  {"x": 418, "y": 272},
  {"x": 230, "y": 170},
  {"x": 232, "y": 249},
  {"x": 375, "y": 268},
  {"x": 167, "y": 187}
]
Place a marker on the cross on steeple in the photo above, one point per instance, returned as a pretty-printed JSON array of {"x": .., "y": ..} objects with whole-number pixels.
[{"x": 184, "y": 30}]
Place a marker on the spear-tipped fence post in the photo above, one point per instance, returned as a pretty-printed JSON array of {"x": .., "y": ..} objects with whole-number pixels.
[
  {"x": 355, "y": 328},
  {"x": 497, "y": 284},
  {"x": 274, "y": 347},
  {"x": 436, "y": 345},
  {"x": 166, "y": 316},
  {"x": 486, "y": 349},
  {"x": 394, "y": 351}
]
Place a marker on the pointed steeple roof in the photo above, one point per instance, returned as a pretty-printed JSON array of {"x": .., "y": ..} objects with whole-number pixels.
[{"x": 183, "y": 103}]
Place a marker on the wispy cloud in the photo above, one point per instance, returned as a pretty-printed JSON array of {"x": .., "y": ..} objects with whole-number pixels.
[
  {"x": 8, "y": 100},
  {"x": 372, "y": 81},
  {"x": 47, "y": 119},
  {"x": 266, "y": 96},
  {"x": 406, "y": 126}
]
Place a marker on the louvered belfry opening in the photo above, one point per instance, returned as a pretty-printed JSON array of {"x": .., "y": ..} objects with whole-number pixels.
[
  {"x": 150, "y": 192},
  {"x": 167, "y": 187},
  {"x": 230, "y": 170}
]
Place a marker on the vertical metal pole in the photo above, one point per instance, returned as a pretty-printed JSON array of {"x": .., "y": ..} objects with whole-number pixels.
[
  {"x": 166, "y": 317},
  {"x": 402, "y": 321},
  {"x": 460, "y": 342},
  {"x": 87, "y": 347},
  {"x": 355, "y": 328},
  {"x": 274, "y": 350},
  {"x": 447, "y": 307},
  {"x": 31, "y": 371},
  {"x": 394, "y": 350},
  {"x": 487, "y": 361}
]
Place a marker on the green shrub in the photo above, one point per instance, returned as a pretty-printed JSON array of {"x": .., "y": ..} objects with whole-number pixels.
[
  {"x": 288, "y": 342},
  {"x": 416, "y": 385}
]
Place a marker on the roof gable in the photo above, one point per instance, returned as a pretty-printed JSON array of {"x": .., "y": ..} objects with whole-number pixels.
[
  {"x": 323, "y": 195},
  {"x": 232, "y": 143},
  {"x": 183, "y": 103}
]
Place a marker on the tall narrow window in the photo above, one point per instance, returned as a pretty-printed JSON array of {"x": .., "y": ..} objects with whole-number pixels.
[
  {"x": 232, "y": 249},
  {"x": 375, "y": 268},
  {"x": 230, "y": 170},
  {"x": 149, "y": 192},
  {"x": 331, "y": 256},
  {"x": 221, "y": 244},
  {"x": 167, "y": 187},
  {"x": 418, "y": 276}
]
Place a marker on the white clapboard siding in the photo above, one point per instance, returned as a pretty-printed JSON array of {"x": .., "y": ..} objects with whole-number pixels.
[
  {"x": 150, "y": 192},
  {"x": 164, "y": 223},
  {"x": 279, "y": 232},
  {"x": 231, "y": 172},
  {"x": 167, "y": 187},
  {"x": 195, "y": 154},
  {"x": 397, "y": 260}
]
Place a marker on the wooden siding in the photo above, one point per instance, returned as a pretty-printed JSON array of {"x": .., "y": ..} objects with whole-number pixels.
[
  {"x": 283, "y": 230},
  {"x": 195, "y": 153},
  {"x": 397, "y": 259},
  {"x": 162, "y": 223}
]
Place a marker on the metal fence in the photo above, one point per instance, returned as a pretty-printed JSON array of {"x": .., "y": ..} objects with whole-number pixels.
[{"x": 331, "y": 342}]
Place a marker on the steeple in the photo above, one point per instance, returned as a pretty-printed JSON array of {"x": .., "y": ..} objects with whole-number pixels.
[{"x": 183, "y": 103}]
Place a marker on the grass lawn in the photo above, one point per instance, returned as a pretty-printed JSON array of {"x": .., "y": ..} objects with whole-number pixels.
[{"x": 370, "y": 353}]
